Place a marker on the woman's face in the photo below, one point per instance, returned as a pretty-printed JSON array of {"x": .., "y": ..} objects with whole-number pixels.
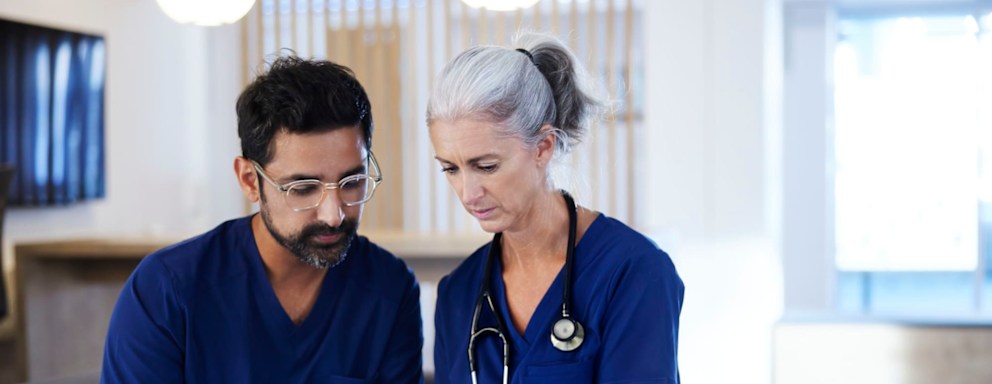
[{"x": 496, "y": 176}]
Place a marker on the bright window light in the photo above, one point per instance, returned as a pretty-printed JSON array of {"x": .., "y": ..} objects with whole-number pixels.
[
  {"x": 912, "y": 121},
  {"x": 987, "y": 22}
]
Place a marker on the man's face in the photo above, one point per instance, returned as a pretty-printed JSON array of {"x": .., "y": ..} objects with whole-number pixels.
[{"x": 318, "y": 236}]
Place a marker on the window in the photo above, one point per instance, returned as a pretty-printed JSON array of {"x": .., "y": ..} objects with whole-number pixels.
[{"x": 913, "y": 165}]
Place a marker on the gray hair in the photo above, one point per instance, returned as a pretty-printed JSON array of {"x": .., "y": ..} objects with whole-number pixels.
[{"x": 519, "y": 92}]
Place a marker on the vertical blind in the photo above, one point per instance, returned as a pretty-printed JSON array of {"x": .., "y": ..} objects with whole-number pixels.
[{"x": 397, "y": 47}]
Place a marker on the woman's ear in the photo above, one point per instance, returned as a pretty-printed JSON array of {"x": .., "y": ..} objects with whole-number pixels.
[
  {"x": 244, "y": 169},
  {"x": 546, "y": 147}
]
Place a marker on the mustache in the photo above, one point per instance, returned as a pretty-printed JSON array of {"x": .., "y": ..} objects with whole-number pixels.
[{"x": 321, "y": 229}]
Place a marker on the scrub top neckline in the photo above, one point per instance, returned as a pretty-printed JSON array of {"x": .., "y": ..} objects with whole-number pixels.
[
  {"x": 272, "y": 310},
  {"x": 547, "y": 309}
]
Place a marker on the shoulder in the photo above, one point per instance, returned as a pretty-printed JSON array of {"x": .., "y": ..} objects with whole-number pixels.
[
  {"x": 378, "y": 269},
  {"x": 206, "y": 257},
  {"x": 611, "y": 235},
  {"x": 459, "y": 288},
  {"x": 468, "y": 273},
  {"x": 615, "y": 245},
  {"x": 378, "y": 262}
]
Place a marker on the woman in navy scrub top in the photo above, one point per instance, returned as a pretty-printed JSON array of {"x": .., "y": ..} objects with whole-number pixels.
[{"x": 563, "y": 294}]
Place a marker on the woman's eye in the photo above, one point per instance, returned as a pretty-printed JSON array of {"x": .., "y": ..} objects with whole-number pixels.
[
  {"x": 488, "y": 168},
  {"x": 448, "y": 170}
]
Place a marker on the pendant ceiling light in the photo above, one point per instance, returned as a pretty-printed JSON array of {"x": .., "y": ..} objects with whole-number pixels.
[
  {"x": 206, "y": 12},
  {"x": 500, "y": 5}
]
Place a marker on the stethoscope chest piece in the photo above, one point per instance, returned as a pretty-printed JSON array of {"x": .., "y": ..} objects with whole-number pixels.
[{"x": 567, "y": 334}]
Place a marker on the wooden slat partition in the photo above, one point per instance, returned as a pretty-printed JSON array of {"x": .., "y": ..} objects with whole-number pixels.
[
  {"x": 499, "y": 29},
  {"x": 253, "y": 63},
  {"x": 611, "y": 128},
  {"x": 294, "y": 42},
  {"x": 277, "y": 31},
  {"x": 555, "y": 18},
  {"x": 597, "y": 179},
  {"x": 396, "y": 48},
  {"x": 629, "y": 123}
]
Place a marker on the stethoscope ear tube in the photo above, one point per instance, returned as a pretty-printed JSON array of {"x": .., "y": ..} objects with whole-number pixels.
[{"x": 567, "y": 333}]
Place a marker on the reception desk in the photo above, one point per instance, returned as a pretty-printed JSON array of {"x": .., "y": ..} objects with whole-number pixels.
[
  {"x": 881, "y": 351},
  {"x": 66, "y": 290}
]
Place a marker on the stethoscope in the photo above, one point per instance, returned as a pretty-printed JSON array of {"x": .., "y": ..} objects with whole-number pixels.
[{"x": 566, "y": 334}]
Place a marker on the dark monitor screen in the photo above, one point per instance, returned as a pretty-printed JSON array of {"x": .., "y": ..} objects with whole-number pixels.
[
  {"x": 6, "y": 173},
  {"x": 51, "y": 114}
]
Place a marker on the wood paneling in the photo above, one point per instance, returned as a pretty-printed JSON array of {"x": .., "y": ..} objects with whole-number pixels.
[{"x": 397, "y": 47}]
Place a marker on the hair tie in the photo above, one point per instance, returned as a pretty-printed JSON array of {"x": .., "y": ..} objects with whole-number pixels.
[{"x": 529, "y": 56}]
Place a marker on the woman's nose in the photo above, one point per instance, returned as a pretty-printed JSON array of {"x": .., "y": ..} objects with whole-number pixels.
[{"x": 472, "y": 189}]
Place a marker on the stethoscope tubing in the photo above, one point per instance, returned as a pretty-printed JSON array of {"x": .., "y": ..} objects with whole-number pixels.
[{"x": 485, "y": 294}]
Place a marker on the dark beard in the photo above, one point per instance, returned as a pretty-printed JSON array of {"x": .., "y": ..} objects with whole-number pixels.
[{"x": 316, "y": 255}]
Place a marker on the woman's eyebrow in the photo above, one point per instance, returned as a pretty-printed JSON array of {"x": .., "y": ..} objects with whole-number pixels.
[{"x": 474, "y": 160}]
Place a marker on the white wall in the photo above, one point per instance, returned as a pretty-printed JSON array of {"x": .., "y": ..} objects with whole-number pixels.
[
  {"x": 808, "y": 221},
  {"x": 170, "y": 128},
  {"x": 170, "y": 124},
  {"x": 714, "y": 91}
]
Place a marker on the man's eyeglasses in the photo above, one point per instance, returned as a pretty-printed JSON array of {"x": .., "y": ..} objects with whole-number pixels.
[{"x": 301, "y": 195}]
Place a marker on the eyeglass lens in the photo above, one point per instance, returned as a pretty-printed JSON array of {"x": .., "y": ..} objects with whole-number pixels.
[{"x": 352, "y": 190}]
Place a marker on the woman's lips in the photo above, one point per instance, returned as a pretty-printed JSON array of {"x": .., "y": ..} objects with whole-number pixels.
[{"x": 483, "y": 214}]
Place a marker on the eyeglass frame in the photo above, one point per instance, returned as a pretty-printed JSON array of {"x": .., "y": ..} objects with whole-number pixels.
[{"x": 284, "y": 188}]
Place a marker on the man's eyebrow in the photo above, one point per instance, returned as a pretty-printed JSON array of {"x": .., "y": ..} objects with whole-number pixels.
[
  {"x": 358, "y": 169},
  {"x": 298, "y": 176}
]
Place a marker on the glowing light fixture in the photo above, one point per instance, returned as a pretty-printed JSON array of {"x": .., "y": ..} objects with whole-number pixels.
[
  {"x": 205, "y": 12},
  {"x": 500, "y": 5}
]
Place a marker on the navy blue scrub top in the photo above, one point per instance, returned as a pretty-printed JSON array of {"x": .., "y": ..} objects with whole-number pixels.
[
  {"x": 625, "y": 292},
  {"x": 203, "y": 311}
]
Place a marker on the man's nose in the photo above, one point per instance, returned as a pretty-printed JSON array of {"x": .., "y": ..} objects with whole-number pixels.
[{"x": 330, "y": 210}]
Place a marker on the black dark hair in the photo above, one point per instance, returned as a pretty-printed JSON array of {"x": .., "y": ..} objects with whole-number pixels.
[{"x": 300, "y": 96}]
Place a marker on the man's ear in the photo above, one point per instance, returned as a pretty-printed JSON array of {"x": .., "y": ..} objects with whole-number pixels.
[
  {"x": 247, "y": 178},
  {"x": 546, "y": 147}
]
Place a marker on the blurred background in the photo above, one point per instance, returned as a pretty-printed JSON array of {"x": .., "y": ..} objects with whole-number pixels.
[{"x": 820, "y": 171}]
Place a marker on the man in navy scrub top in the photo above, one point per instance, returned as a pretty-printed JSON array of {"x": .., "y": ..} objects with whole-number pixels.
[{"x": 289, "y": 294}]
